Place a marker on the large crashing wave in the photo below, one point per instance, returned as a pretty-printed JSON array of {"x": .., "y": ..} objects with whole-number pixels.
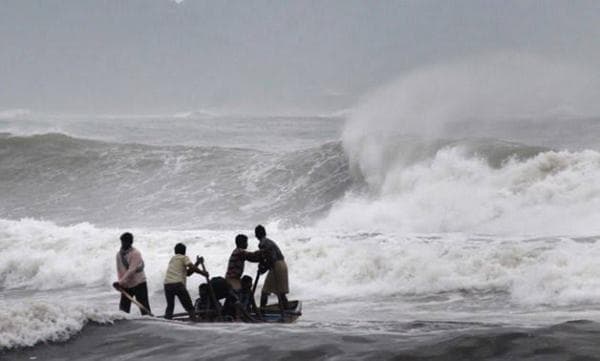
[
  {"x": 69, "y": 180},
  {"x": 420, "y": 183},
  {"x": 411, "y": 184},
  {"x": 457, "y": 190}
]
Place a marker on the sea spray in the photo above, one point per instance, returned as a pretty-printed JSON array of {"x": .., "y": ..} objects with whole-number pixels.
[{"x": 417, "y": 143}]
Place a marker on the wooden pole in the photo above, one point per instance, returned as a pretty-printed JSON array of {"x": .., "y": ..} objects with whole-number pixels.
[
  {"x": 128, "y": 296},
  {"x": 212, "y": 293}
]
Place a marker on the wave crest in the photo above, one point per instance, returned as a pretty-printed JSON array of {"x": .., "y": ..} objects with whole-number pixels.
[
  {"x": 73, "y": 180},
  {"x": 30, "y": 323}
]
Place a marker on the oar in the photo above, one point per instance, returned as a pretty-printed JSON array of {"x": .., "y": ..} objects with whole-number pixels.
[
  {"x": 258, "y": 313},
  {"x": 255, "y": 282},
  {"x": 128, "y": 296},
  {"x": 212, "y": 292}
]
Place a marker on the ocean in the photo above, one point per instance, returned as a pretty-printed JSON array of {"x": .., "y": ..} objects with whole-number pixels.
[{"x": 474, "y": 241}]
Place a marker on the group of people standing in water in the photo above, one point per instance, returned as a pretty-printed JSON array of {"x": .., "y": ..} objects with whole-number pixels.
[{"x": 235, "y": 288}]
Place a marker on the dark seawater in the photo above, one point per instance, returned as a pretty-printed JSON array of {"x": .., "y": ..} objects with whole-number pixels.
[{"x": 156, "y": 340}]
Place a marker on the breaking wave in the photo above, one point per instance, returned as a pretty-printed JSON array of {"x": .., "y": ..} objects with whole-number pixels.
[
  {"x": 458, "y": 190},
  {"x": 419, "y": 182},
  {"x": 398, "y": 183},
  {"x": 29, "y": 323},
  {"x": 71, "y": 180}
]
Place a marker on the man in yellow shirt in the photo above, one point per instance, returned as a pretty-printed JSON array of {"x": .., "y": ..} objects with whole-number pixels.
[{"x": 180, "y": 267}]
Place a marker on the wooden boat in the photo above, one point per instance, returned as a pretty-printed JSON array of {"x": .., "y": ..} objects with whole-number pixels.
[{"x": 269, "y": 314}]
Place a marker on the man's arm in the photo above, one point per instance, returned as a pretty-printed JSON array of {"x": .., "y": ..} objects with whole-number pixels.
[
  {"x": 193, "y": 268},
  {"x": 255, "y": 256},
  {"x": 261, "y": 257}
]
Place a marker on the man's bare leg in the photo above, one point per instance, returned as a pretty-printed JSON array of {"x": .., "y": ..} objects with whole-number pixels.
[
  {"x": 264, "y": 297},
  {"x": 283, "y": 303}
]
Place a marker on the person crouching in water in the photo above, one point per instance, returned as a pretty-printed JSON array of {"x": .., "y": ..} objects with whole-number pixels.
[
  {"x": 247, "y": 298},
  {"x": 277, "y": 278},
  {"x": 132, "y": 279},
  {"x": 180, "y": 267},
  {"x": 232, "y": 309},
  {"x": 235, "y": 266}
]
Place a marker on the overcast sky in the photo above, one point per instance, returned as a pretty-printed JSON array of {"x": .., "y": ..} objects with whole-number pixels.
[{"x": 153, "y": 56}]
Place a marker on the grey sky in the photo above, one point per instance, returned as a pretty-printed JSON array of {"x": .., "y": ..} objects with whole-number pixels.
[{"x": 148, "y": 56}]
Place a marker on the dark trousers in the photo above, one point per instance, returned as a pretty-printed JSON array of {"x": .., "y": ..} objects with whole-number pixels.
[
  {"x": 179, "y": 290},
  {"x": 140, "y": 293}
]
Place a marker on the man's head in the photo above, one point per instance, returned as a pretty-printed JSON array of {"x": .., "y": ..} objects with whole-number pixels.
[
  {"x": 180, "y": 248},
  {"x": 246, "y": 282},
  {"x": 126, "y": 240},
  {"x": 260, "y": 232},
  {"x": 241, "y": 241},
  {"x": 203, "y": 290}
]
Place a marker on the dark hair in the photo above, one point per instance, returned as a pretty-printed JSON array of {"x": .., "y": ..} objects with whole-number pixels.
[
  {"x": 240, "y": 239},
  {"x": 180, "y": 248},
  {"x": 127, "y": 237},
  {"x": 246, "y": 281},
  {"x": 260, "y": 231},
  {"x": 202, "y": 289},
  {"x": 126, "y": 240}
]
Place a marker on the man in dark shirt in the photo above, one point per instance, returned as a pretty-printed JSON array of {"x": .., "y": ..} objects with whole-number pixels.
[
  {"x": 273, "y": 261},
  {"x": 235, "y": 267}
]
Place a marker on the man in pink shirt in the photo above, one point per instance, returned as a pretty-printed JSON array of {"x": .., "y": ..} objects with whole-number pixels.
[{"x": 130, "y": 270}]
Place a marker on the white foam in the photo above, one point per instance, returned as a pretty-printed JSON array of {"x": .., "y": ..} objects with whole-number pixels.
[
  {"x": 324, "y": 264},
  {"x": 41, "y": 255},
  {"x": 549, "y": 194},
  {"x": 548, "y": 271},
  {"x": 28, "y": 323},
  {"x": 84, "y": 255}
]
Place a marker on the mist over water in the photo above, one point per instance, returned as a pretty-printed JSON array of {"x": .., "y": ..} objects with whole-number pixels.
[{"x": 497, "y": 87}]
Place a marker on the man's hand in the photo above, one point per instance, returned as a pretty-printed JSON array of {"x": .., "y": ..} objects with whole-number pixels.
[
  {"x": 262, "y": 269},
  {"x": 117, "y": 285},
  {"x": 199, "y": 260}
]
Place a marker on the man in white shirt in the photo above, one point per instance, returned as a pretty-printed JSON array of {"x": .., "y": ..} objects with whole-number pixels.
[{"x": 132, "y": 279}]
